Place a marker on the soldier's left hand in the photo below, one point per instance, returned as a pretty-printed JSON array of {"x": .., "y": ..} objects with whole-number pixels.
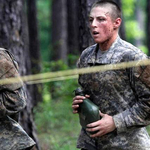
[{"x": 103, "y": 126}]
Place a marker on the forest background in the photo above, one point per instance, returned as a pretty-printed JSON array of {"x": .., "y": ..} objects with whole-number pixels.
[{"x": 47, "y": 36}]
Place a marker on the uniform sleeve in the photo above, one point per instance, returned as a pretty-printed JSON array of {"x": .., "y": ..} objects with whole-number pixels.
[
  {"x": 12, "y": 96},
  {"x": 12, "y": 102},
  {"x": 139, "y": 114},
  {"x": 8, "y": 70}
]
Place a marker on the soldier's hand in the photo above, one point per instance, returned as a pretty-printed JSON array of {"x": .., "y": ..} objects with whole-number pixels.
[
  {"x": 76, "y": 101},
  {"x": 103, "y": 126}
]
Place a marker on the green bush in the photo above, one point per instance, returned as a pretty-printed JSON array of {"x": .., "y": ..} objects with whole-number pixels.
[{"x": 57, "y": 126}]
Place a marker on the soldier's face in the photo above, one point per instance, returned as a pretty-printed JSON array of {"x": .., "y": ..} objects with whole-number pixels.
[{"x": 101, "y": 24}]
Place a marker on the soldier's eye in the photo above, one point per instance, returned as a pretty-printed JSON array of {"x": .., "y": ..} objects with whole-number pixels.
[
  {"x": 90, "y": 20},
  {"x": 101, "y": 19}
]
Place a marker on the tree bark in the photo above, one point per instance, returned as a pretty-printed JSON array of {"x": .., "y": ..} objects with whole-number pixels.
[
  {"x": 34, "y": 48},
  {"x": 14, "y": 37},
  {"x": 73, "y": 33},
  {"x": 85, "y": 38},
  {"x": 59, "y": 30}
]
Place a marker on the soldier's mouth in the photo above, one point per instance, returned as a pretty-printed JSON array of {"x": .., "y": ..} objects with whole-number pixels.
[{"x": 95, "y": 32}]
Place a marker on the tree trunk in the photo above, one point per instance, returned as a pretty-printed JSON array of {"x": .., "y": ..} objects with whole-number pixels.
[
  {"x": 73, "y": 33},
  {"x": 59, "y": 29},
  {"x": 14, "y": 37},
  {"x": 148, "y": 25},
  {"x": 85, "y": 38},
  {"x": 34, "y": 49}
]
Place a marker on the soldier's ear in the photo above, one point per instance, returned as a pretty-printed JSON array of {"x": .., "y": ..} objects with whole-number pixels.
[{"x": 117, "y": 23}]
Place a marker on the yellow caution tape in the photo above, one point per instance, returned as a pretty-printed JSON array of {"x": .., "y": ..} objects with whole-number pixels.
[
  {"x": 73, "y": 73},
  {"x": 52, "y": 79}
]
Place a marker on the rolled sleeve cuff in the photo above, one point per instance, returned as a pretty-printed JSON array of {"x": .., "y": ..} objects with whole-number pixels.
[{"x": 119, "y": 123}]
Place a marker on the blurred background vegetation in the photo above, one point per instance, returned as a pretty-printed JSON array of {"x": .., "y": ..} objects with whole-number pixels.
[{"x": 57, "y": 127}]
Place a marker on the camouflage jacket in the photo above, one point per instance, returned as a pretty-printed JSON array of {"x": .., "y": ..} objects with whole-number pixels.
[
  {"x": 12, "y": 101},
  {"x": 123, "y": 94}
]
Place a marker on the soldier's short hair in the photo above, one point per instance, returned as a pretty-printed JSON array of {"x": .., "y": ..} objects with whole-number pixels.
[{"x": 115, "y": 9}]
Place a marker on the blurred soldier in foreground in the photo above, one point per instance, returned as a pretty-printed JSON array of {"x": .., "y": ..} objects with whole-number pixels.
[
  {"x": 123, "y": 96},
  {"x": 12, "y": 101}
]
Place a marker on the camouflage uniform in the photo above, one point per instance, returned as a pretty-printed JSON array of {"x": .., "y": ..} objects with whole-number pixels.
[
  {"x": 123, "y": 94},
  {"x": 12, "y": 101}
]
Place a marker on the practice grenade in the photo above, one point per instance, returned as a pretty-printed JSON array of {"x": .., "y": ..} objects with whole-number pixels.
[{"x": 88, "y": 111}]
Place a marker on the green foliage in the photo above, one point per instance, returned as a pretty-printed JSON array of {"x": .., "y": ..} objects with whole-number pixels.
[
  {"x": 55, "y": 65},
  {"x": 148, "y": 129},
  {"x": 72, "y": 59},
  {"x": 44, "y": 15},
  {"x": 128, "y": 7},
  {"x": 132, "y": 29},
  {"x": 56, "y": 88},
  {"x": 132, "y": 25},
  {"x": 144, "y": 49},
  {"x": 57, "y": 126}
]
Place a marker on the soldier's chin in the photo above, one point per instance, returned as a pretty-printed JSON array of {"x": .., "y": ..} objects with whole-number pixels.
[{"x": 97, "y": 41}]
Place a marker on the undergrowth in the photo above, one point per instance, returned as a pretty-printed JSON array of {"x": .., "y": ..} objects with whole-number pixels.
[{"x": 58, "y": 128}]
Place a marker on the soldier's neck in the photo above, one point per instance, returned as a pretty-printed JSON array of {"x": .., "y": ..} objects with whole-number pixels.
[{"x": 107, "y": 44}]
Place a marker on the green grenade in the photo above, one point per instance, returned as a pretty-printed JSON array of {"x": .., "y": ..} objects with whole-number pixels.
[{"x": 88, "y": 111}]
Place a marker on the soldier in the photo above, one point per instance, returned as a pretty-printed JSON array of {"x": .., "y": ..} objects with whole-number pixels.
[
  {"x": 12, "y": 101},
  {"x": 123, "y": 96}
]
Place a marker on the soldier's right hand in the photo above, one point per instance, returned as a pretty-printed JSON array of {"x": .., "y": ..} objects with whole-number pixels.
[{"x": 76, "y": 101}]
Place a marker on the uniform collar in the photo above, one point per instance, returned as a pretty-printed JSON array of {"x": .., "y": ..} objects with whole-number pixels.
[{"x": 107, "y": 57}]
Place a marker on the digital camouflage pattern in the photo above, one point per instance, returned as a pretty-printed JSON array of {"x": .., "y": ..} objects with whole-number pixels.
[
  {"x": 123, "y": 94},
  {"x": 12, "y": 101}
]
